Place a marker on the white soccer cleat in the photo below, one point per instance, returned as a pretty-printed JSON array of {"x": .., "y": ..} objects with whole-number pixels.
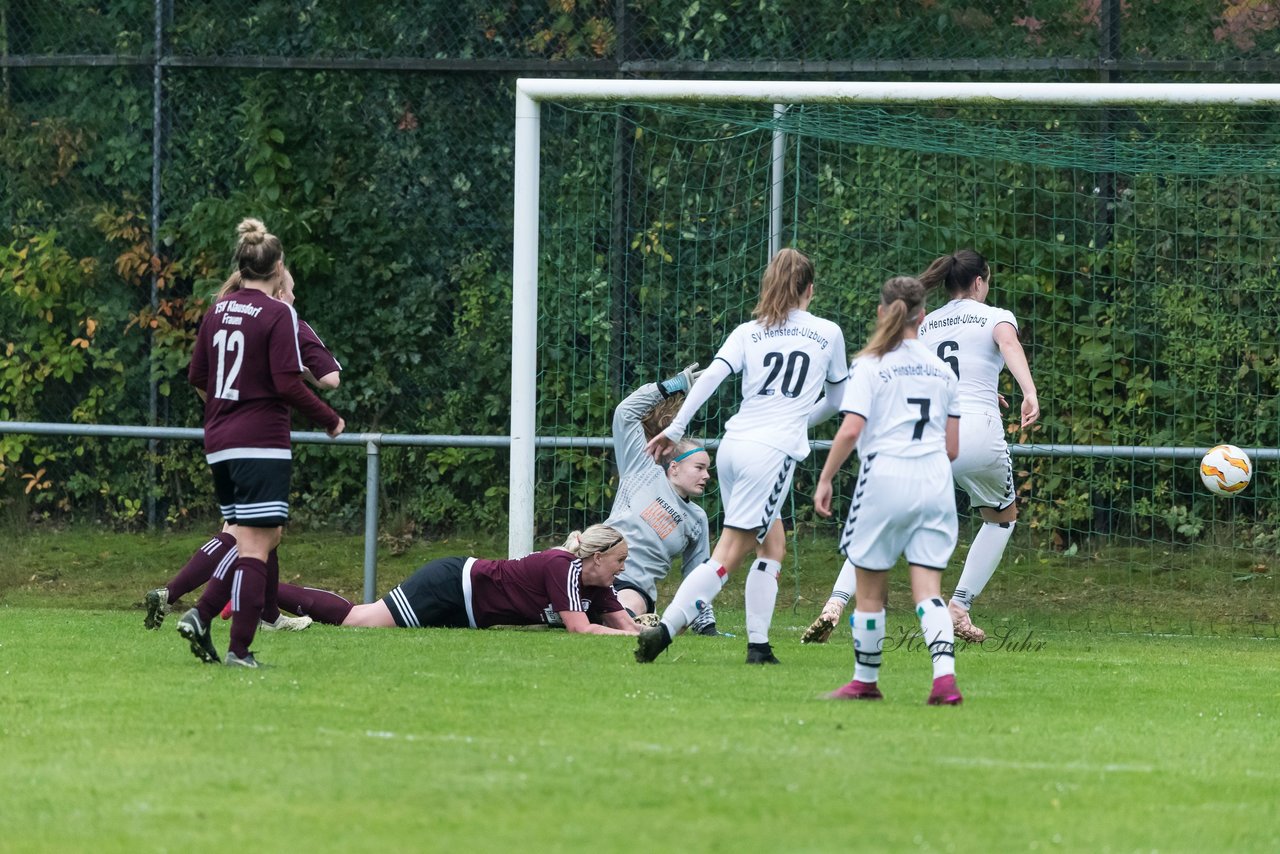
[
  {"x": 285, "y": 623},
  {"x": 964, "y": 627}
]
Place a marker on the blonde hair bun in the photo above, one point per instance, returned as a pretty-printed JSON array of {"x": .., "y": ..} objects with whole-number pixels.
[{"x": 251, "y": 230}]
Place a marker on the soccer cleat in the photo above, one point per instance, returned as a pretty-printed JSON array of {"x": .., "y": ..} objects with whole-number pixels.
[
  {"x": 856, "y": 690},
  {"x": 964, "y": 627},
  {"x": 226, "y": 611},
  {"x": 761, "y": 653},
  {"x": 648, "y": 621},
  {"x": 157, "y": 602},
  {"x": 283, "y": 623},
  {"x": 652, "y": 643},
  {"x": 821, "y": 629},
  {"x": 706, "y": 628},
  {"x": 945, "y": 692},
  {"x": 234, "y": 660},
  {"x": 191, "y": 628},
  {"x": 704, "y": 623}
]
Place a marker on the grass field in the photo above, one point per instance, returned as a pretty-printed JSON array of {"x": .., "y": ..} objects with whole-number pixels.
[{"x": 116, "y": 739}]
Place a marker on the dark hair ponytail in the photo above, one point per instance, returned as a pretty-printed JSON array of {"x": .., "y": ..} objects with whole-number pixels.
[{"x": 955, "y": 271}]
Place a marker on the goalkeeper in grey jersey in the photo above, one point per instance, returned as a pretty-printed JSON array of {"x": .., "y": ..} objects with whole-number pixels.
[{"x": 653, "y": 509}]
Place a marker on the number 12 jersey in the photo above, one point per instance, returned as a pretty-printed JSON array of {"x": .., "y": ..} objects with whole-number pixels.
[{"x": 246, "y": 340}]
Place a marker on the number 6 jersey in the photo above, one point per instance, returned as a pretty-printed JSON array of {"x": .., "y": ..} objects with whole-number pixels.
[
  {"x": 960, "y": 333},
  {"x": 248, "y": 361}
]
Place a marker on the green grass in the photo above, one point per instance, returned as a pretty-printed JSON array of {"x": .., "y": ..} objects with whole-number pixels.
[
  {"x": 113, "y": 738},
  {"x": 116, "y": 739},
  {"x": 1114, "y": 588}
]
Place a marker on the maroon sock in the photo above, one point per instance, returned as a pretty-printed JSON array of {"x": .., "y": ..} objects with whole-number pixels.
[
  {"x": 216, "y": 594},
  {"x": 270, "y": 600},
  {"x": 248, "y": 587},
  {"x": 320, "y": 605},
  {"x": 199, "y": 569}
]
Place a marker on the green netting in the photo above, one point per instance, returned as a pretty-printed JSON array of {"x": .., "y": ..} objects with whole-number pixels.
[{"x": 1137, "y": 246}]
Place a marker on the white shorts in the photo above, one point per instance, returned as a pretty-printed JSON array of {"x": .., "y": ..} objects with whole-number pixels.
[
  {"x": 755, "y": 481},
  {"x": 902, "y": 506},
  {"x": 983, "y": 468}
]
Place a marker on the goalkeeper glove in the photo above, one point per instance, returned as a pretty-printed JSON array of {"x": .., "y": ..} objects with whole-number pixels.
[{"x": 681, "y": 382}]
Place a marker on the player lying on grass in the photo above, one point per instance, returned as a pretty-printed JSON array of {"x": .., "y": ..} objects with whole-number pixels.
[
  {"x": 900, "y": 412},
  {"x": 565, "y": 586},
  {"x": 976, "y": 340},
  {"x": 219, "y": 553},
  {"x": 654, "y": 510}
]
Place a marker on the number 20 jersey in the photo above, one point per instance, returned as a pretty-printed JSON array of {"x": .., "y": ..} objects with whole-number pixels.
[
  {"x": 245, "y": 338},
  {"x": 783, "y": 371},
  {"x": 960, "y": 334}
]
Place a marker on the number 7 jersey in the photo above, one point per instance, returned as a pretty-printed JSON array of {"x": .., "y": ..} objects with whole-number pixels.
[
  {"x": 783, "y": 371},
  {"x": 906, "y": 397}
]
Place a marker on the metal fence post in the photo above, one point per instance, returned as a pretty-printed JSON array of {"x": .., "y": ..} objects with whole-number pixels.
[
  {"x": 157, "y": 146},
  {"x": 371, "y": 517}
]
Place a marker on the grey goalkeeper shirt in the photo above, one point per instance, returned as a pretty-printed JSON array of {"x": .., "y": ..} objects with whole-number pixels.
[{"x": 659, "y": 525}]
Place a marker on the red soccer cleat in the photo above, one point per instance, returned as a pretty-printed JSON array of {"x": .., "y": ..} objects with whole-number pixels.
[
  {"x": 226, "y": 611},
  {"x": 945, "y": 692},
  {"x": 856, "y": 690}
]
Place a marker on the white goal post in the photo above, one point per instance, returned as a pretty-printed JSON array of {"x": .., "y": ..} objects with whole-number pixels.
[{"x": 530, "y": 93}]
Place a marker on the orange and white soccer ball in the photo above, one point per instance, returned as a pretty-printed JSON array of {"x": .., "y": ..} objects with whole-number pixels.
[{"x": 1226, "y": 470}]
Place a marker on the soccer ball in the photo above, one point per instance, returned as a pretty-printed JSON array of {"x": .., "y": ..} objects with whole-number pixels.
[{"x": 1226, "y": 470}]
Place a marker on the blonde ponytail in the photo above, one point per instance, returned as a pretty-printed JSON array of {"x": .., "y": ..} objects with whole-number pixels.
[
  {"x": 783, "y": 287},
  {"x": 594, "y": 540},
  {"x": 901, "y": 300}
]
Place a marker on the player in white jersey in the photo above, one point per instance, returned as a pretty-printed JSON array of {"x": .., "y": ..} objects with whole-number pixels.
[
  {"x": 976, "y": 340},
  {"x": 654, "y": 509},
  {"x": 786, "y": 357},
  {"x": 900, "y": 411}
]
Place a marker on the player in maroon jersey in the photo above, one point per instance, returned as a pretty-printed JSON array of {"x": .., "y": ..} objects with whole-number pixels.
[
  {"x": 247, "y": 367},
  {"x": 217, "y": 555},
  {"x": 563, "y": 586}
]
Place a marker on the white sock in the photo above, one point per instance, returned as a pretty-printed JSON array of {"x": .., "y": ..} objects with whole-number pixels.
[
  {"x": 700, "y": 585},
  {"x": 984, "y": 556},
  {"x": 868, "y": 644},
  {"x": 846, "y": 584},
  {"x": 761, "y": 596},
  {"x": 939, "y": 635}
]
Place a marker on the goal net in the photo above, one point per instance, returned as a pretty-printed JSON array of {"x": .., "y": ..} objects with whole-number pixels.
[{"x": 1133, "y": 230}]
